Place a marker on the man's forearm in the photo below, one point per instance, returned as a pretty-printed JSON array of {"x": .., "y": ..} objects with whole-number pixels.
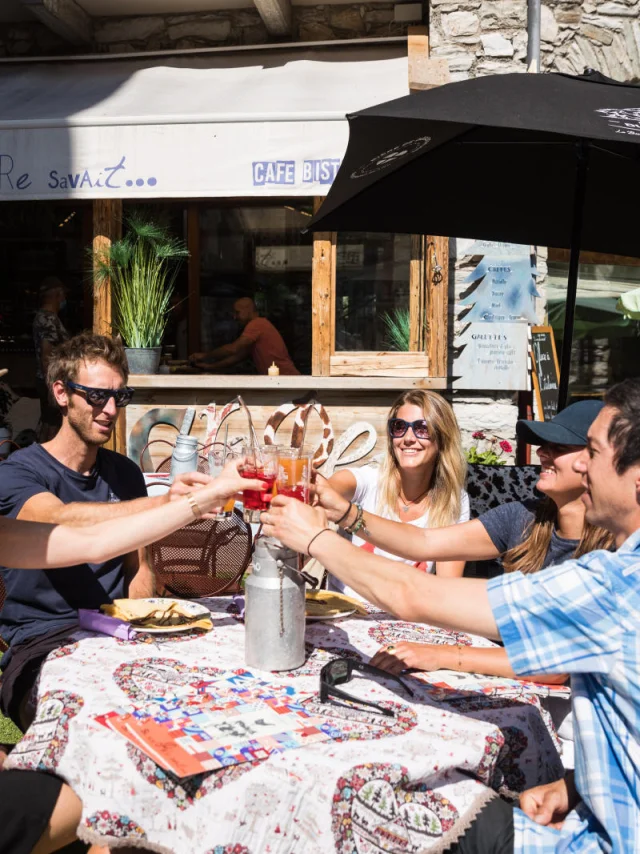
[
  {"x": 80, "y": 513},
  {"x": 457, "y": 603},
  {"x": 140, "y": 578}
]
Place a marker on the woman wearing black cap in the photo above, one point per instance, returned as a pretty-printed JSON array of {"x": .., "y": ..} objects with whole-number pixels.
[{"x": 528, "y": 535}]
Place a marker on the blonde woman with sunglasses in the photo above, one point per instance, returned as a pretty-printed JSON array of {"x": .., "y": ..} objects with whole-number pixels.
[{"x": 420, "y": 480}]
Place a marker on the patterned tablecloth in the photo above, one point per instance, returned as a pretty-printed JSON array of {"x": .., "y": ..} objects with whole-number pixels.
[{"x": 414, "y": 788}]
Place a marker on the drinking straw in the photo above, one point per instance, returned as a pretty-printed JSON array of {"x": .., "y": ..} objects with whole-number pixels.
[{"x": 226, "y": 436}]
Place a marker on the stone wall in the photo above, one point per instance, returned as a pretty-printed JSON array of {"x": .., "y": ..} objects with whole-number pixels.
[
  {"x": 183, "y": 32},
  {"x": 490, "y": 36}
]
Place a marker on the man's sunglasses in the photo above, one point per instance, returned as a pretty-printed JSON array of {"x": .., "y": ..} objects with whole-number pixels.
[
  {"x": 398, "y": 427},
  {"x": 340, "y": 670},
  {"x": 100, "y": 396}
]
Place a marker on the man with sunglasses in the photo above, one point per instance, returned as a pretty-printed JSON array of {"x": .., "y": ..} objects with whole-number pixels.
[{"x": 74, "y": 480}]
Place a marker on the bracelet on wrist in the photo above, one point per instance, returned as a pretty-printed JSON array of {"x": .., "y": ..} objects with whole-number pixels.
[
  {"x": 345, "y": 514},
  {"x": 315, "y": 537},
  {"x": 195, "y": 507},
  {"x": 358, "y": 522}
]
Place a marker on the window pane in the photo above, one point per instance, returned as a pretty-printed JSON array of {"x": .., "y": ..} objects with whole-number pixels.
[
  {"x": 257, "y": 251},
  {"x": 372, "y": 291},
  {"x": 605, "y": 342}
]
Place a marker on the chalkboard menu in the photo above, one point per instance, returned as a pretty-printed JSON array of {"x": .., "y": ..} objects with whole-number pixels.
[{"x": 544, "y": 363}]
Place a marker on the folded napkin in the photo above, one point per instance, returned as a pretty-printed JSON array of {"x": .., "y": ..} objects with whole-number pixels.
[
  {"x": 142, "y": 614},
  {"x": 94, "y": 621},
  {"x": 326, "y": 603}
]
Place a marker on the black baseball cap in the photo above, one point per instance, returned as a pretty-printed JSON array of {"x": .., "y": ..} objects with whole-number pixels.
[{"x": 568, "y": 427}]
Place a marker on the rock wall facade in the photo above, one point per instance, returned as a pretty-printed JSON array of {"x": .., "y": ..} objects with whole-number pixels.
[
  {"x": 490, "y": 36},
  {"x": 214, "y": 29}
]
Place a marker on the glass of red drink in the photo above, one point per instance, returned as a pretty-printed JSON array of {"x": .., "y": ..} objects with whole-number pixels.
[
  {"x": 294, "y": 473},
  {"x": 260, "y": 462}
]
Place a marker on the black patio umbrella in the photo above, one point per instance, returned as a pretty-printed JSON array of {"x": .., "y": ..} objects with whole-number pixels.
[{"x": 543, "y": 159}]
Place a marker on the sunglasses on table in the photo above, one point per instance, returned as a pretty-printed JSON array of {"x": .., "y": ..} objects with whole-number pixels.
[
  {"x": 340, "y": 670},
  {"x": 100, "y": 396},
  {"x": 398, "y": 427}
]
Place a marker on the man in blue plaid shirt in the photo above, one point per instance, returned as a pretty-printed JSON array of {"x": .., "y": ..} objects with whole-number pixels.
[{"x": 581, "y": 617}]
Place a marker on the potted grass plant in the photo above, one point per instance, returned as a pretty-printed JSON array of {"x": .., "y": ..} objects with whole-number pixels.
[
  {"x": 142, "y": 267},
  {"x": 398, "y": 328}
]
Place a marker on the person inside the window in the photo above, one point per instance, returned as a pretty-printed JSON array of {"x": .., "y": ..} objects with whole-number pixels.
[{"x": 259, "y": 340}]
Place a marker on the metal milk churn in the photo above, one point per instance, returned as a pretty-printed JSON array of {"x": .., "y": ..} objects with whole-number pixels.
[
  {"x": 185, "y": 455},
  {"x": 274, "y": 618}
]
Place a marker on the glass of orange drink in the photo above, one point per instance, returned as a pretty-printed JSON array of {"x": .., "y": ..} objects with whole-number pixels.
[{"x": 294, "y": 473}]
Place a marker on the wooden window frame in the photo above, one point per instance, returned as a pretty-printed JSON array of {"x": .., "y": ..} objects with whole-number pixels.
[{"x": 428, "y": 312}]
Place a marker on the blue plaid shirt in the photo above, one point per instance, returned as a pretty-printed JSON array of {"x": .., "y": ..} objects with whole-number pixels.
[{"x": 583, "y": 618}]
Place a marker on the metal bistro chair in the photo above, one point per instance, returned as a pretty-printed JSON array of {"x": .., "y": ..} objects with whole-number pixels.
[
  {"x": 205, "y": 558},
  {"x": 489, "y": 486}
]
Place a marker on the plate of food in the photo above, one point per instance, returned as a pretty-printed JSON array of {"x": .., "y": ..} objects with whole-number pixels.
[
  {"x": 327, "y": 605},
  {"x": 160, "y": 615}
]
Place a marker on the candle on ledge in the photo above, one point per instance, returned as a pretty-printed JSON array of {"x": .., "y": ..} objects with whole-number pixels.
[{"x": 274, "y": 370}]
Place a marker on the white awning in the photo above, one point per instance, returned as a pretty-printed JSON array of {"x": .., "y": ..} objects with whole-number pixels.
[{"x": 241, "y": 124}]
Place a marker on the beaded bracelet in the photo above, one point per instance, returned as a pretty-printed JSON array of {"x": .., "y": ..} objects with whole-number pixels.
[{"x": 358, "y": 522}]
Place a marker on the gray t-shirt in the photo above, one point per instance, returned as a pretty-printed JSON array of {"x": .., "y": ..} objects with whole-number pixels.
[{"x": 507, "y": 526}]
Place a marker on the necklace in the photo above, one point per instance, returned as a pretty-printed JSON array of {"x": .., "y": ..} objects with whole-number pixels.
[{"x": 406, "y": 504}]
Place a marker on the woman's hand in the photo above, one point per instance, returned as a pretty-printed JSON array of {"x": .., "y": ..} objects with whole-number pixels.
[
  {"x": 292, "y": 522},
  {"x": 394, "y": 658},
  {"x": 549, "y": 805},
  {"x": 335, "y": 505}
]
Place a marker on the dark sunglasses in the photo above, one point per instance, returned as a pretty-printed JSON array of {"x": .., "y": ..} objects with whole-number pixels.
[
  {"x": 340, "y": 670},
  {"x": 100, "y": 396},
  {"x": 398, "y": 427}
]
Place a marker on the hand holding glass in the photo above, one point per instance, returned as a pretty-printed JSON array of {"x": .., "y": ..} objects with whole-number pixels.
[
  {"x": 294, "y": 473},
  {"x": 217, "y": 461},
  {"x": 260, "y": 463}
]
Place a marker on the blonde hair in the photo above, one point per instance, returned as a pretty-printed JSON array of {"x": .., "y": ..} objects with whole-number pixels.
[
  {"x": 450, "y": 469},
  {"x": 528, "y": 556}
]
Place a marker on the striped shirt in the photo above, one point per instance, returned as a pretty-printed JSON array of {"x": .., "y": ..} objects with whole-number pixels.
[{"x": 583, "y": 618}]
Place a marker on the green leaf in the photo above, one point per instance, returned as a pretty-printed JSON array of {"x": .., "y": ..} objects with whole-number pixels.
[{"x": 398, "y": 328}]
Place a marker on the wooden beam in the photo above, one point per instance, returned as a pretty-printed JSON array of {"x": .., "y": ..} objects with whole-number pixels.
[
  {"x": 417, "y": 294},
  {"x": 194, "y": 318},
  {"x": 323, "y": 277},
  {"x": 276, "y": 16},
  {"x": 425, "y": 73},
  {"x": 64, "y": 17},
  {"x": 437, "y": 304},
  {"x": 107, "y": 227}
]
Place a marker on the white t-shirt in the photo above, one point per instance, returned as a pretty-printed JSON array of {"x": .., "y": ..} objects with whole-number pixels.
[{"x": 366, "y": 494}]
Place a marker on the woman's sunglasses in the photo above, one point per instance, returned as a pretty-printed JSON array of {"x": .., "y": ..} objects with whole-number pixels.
[
  {"x": 398, "y": 427},
  {"x": 100, "y": 396},
  {"x": 340, "y": 670}
]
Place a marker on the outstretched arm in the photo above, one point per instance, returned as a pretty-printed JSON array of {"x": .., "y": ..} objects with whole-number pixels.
[
  {"x": 466, "y": 541},
  {"x": 465, "y": 659},
  {"x": 36, "y": 545},
  {"x": 459, "y": 603}
]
